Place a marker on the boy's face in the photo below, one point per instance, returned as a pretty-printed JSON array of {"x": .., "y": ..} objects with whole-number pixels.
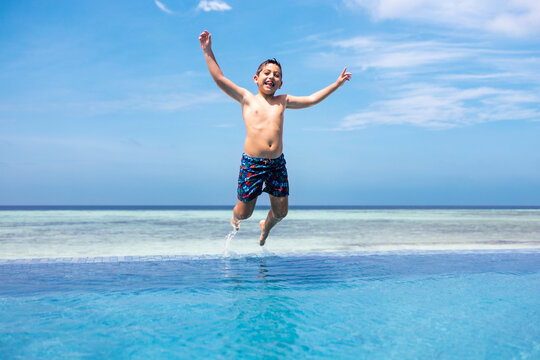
[{"x": 269, "y": 79}]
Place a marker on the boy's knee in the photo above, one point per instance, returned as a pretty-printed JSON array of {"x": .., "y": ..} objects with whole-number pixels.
[
  {"x": 280, "y": 214},
  {"x": 242, "y": 214}
]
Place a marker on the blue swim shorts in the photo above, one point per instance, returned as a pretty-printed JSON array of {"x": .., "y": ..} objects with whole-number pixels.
[{"x": 254, "y": 172}]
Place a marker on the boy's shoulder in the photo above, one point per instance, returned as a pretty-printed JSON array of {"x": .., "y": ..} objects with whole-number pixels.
[{"x": 280, "y": 99}]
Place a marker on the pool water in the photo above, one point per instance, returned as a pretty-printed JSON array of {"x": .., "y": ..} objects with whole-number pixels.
[{"x": 443, "y": 305}]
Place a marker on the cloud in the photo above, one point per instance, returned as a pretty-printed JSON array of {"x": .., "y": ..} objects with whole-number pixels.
[
  {"x": 213, "y": 5},
  {"x": 440, "y": 82},
  {"x": 373, "y": 52},
  {"x": 173, "y": 102},
  {"x": 443, "y": 58},
  {"x": 158, "y": 102},
  {"x": 509, "y": 17},
  {"x": 446, "y": 107},
  {"x": 169, "y": 102},
  {"x": 162, "y": 7}
]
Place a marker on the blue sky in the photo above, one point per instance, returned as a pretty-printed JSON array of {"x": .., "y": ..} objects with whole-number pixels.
[{"x": 111, "y": 103}]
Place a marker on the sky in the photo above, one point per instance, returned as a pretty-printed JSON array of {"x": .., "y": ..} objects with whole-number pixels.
[{"x": 111, "y": 103}]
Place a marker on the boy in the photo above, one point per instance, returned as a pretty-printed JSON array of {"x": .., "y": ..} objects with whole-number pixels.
[{"x": 263, "y": 160}]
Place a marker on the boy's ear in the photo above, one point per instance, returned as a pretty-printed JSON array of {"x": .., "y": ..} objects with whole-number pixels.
[
  {"x": 256, "y": 78},
  {"x": 280, "y": 85}
]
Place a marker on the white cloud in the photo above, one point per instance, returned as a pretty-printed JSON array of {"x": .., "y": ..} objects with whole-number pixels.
[
  {"x": 446, "y": 107},
  {"x": 372, "y": 52},
  {"x": 436, "y": 83},
  {"x": 394, "y": 57},
  {"x": 159, "y": 93},
  {"x": 162, "y": 7},
  {"x": 169, "y": 102},
  {"x": 510, "y": 17},
  {"x": 173, "y": 102},
  {"x": 213, "y": 5}
]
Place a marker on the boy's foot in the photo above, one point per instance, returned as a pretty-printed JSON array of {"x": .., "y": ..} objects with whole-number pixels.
[
  {"x": 235, "y": 224},
  {"x": 264, "y": 233}
]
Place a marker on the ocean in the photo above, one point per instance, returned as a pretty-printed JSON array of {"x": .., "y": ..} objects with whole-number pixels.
[
  {"x": 162, "y": 282},
  {"x": 50, "y": 232}
]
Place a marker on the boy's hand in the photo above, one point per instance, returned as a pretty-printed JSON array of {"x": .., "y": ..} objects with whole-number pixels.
[
  {"x": 344, "y": 76},
  {"x": 206, "y": 40}
]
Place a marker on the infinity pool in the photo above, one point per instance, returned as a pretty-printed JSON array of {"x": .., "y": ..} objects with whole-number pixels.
[{"x": 444, "y": 305}]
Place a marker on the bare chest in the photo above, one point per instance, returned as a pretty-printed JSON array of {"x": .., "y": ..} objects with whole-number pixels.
[{"x": 263, "y": 114}]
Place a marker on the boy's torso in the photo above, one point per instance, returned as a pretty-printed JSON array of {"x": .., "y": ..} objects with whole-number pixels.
[{"x": 264, "y": 126}]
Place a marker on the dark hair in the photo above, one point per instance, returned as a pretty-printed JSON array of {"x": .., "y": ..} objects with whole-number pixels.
[{"x": 266, "y": 62}]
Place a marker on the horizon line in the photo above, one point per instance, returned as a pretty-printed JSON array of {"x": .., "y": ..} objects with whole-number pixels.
[{"x": 265, "y": 206}]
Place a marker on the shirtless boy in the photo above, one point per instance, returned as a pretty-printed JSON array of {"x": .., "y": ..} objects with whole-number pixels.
[{"x": 263, "y": 162}]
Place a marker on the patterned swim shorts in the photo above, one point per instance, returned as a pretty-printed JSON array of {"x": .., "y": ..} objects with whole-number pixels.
[{"x": 254, "y": 172}]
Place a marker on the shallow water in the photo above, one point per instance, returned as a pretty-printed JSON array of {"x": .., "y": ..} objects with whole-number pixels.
[
  {"x": 443, "y": 305},
  {"x": 87, "y": 233}
]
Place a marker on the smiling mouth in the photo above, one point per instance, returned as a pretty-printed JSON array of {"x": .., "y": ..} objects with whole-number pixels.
[{"x": 269, "y": 83}]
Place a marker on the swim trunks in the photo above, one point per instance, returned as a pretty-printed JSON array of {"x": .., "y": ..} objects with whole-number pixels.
[{"x": 254, "y": 172}]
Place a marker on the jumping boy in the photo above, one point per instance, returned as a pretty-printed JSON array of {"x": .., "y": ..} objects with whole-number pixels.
[{"x": 263, "y": 161}]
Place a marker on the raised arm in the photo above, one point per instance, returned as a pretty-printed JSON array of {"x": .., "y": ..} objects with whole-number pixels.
[
  {"x": 230, "y": 88},
  {"x": 300, "y": 102}
]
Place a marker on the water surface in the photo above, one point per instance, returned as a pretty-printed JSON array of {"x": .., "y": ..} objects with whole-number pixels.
[{"x": 89, "y": 233}]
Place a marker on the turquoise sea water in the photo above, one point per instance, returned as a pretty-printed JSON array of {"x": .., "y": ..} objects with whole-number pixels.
[
  {"x": 352, "y": 283},
  {"x": 113, "y": 232}
]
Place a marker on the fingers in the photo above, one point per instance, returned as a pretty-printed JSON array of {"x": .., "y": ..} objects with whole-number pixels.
[
  {"x": 345, "y": 75},
  {"x": 206, "y": 40},
  {"x": 205, "y": 35}
]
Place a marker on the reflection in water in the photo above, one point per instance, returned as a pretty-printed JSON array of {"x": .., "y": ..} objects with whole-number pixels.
[
  {"x": 263, "y": 270},
  {"x": 267, "y": 319}
]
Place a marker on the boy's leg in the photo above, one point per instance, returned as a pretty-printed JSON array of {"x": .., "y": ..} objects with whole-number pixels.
[
  {"x": 242, "y": 211},
  {"x": 279, "y": 207}
]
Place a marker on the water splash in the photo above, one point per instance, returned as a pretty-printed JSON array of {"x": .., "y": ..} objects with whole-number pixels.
[
  {"x": 265, "y": 252},
  {"x": 228, "y": 239}
]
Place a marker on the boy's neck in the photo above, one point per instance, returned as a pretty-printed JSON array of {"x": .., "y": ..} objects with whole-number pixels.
[{"x": 266, "y": 97}]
